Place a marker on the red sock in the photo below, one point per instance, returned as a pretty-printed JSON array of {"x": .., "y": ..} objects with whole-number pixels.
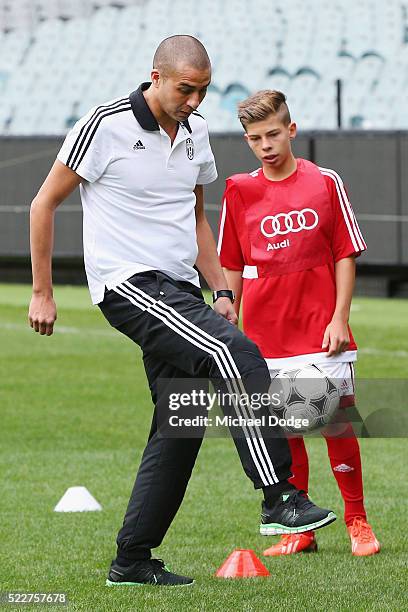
[
  {"x": 345, "y": 461},
  {"x": 300, "y": 464}
]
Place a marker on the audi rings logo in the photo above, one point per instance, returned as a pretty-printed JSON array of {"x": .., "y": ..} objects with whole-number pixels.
[{"x": 285, "y": 223}]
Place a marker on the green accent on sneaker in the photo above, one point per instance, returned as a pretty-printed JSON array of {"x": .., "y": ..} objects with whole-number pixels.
[
  {"x": 109, "y": 583},
  {"x": 278, "y": 529}
]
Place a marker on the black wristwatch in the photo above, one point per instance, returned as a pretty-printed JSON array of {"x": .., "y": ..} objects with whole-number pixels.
[{"x": 224, "y": 293}]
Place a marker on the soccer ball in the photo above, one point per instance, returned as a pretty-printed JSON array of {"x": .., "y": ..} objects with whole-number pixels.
[{"x": 304, "y": 399}]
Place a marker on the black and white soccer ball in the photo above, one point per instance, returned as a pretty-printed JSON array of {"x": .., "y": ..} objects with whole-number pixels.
[{"x": 304, "y": 399}]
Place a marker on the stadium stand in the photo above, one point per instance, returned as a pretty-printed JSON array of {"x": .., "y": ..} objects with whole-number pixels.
[{"x": 58, "y": 58}]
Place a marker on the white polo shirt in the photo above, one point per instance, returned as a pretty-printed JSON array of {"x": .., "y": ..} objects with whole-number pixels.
[{"x": 137, "y": 193}]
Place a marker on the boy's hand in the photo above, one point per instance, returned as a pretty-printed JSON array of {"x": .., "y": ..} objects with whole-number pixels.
[{"x": 336, "y": 337}]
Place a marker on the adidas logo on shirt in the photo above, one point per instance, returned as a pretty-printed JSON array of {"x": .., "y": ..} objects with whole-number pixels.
[{"x": 139, "y": 145}]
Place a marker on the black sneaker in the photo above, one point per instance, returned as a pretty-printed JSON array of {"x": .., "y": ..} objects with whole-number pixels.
[
  {"x": 146, "y": 571},
  {"x": 293, "y": 513}
]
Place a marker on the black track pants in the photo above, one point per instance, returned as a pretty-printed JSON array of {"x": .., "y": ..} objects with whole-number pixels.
[{"x": 182, "y": 337}]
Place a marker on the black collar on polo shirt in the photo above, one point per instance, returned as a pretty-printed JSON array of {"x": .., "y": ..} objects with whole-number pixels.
[{"x": 142, "y": 111}]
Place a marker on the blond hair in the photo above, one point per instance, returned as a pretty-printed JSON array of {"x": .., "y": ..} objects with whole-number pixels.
[{"x": 262, "y": 104}]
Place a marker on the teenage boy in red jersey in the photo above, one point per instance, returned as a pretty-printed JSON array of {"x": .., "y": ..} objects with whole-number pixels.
[{"x": 288, "y": 242}]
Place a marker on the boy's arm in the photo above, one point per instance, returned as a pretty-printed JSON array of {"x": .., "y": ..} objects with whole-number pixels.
[
  {"x": 347, "y": 244},
  {"x": 336, "y": 336},
  {"x": 235, "y": 282}
]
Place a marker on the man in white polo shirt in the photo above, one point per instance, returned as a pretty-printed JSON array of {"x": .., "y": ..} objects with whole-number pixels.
[
  {"x": 137, "y": 198},
  {"x": 141, "y": 162}
]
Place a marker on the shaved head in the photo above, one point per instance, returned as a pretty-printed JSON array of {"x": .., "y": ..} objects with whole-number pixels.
[
  {"x": 180, "y": 76},
  {"x": 180, "y": 50}
]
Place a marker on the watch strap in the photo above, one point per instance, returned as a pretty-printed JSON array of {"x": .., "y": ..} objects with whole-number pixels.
[{"x": 223, "y": 293}]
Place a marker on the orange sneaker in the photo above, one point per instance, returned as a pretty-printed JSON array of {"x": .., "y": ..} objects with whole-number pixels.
[
  {"x": 293, "y": 543},
  {"x": 363, "y": 540}
]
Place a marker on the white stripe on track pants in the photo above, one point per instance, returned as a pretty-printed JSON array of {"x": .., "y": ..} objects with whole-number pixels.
[{"x": 182, "y": 337}]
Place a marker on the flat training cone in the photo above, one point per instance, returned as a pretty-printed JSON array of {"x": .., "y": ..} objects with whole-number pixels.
[
  {"x": 242, "y": 564},
  {"x": 77, "y": 499}
]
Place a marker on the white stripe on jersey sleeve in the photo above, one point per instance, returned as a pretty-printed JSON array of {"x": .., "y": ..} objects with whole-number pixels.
[
  {"x": 222, "y": 224},
  {"x": 349, "y": 207},
  {"x": 349, "y": 217}
]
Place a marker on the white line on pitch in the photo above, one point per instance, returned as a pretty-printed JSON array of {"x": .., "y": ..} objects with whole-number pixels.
[
  {"x": 366, "y": 350},
  {"x": 61, "y": 329}
]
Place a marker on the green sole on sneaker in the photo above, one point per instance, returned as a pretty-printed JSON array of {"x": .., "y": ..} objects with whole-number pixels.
[
  {"x": 109, "y": 583},
  {"x": 278, "y": 529}
]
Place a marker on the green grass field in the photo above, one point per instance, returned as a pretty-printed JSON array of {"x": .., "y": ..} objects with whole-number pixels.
[{"x": 75, "y": 410}]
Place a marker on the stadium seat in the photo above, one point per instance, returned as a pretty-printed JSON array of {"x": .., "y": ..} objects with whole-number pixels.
[
  {"x": 234, "y": 93},
  {"x": 277, "y": 78},
  {"x": 49, "y": 45},
  {"x": 6, "y": 115},
  {"x": 13, "y": 46},
  {"x": 344, "y": 65},
  {"x": 15, "y": 15}
]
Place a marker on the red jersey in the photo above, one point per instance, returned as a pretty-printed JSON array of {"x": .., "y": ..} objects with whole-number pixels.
[{"x": 286, "y": 236}]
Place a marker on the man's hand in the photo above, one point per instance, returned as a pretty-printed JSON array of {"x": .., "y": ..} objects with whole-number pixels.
[
  {"x": 60, "y": 182},
  {"x": 42, "y": 314},
  {"x": 336, "y": 337},
  {"x": 224, "y": 307}
]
